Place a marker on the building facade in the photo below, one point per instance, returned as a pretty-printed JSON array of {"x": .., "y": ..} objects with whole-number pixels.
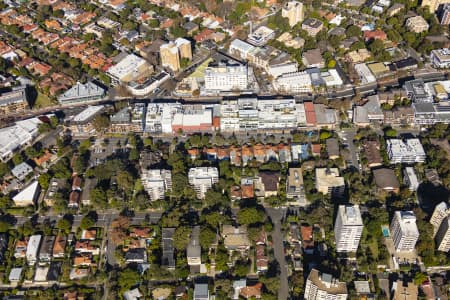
[
  {"x": 156, "y": 182},
  {"x": 202, "y": 179},
  {"x": 293, "y": 10},
  {"x": 348, "y": 228},
  {"x": 324, "y": 286},
  {"x": 404, "y": 231}
]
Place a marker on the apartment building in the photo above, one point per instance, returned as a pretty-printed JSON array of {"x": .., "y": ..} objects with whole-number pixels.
[
  {"x": 33, "y": 249},
  {"x": 408, "y": 151},
  {"x": 441, "y": 211},
  {"x": 173, "y": 52},
  {"x": 404, "y": 231},
  {"x": 348, "y": 228},
  {"x": 324, "y": 286},
  {"x": 410, "y": 179},
  {"x": 328, "y": 181},
  {"x": 226, "y": 77},
  {"x": 312, "y": 26},
  {"x": 156, "y": 182},
  {"x": 14, "y": 101},
  {"x": 440, "y": 58},
  {"x": 444, "y": 14},
  {"x": 443, "y": 235},
  {"x": 297, "y": 82},
  {"x": 202, "y": 179},
  {"x": 432, "y": 4},
  {"x": 293, "y": 11},
  {"x": 130, "y": 68},
  {"x": 417, "y": 24}
]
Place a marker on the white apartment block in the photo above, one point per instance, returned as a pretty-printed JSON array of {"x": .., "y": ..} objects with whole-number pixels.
[
  {"x": 440, "y": 58},
  {"x": 202, "y": 179},
  {"x": 226, "y": 78},
  {"x": 348, "y": 228},
  {"x": 404, "y": 231},
  {"x": 298, "y": 82},
  {"x": 409, "y": 151},
  {"x": 293, "y": 10},
  {"x": 324, "y": 286},
  {"x": 156, "y": 182},
  {"x": 443, "y": 235},
  {"x": 441, "y": 211},
  {"x": 254, "y": 114}
]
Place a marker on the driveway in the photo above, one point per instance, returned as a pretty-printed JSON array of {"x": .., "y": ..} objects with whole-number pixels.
[{"x": 278, "y": 247}]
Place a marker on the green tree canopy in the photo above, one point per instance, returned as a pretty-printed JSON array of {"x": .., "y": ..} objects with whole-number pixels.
[{"x": 250, "y": 215}]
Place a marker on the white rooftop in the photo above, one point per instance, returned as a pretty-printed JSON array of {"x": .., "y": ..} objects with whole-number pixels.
[
  {"x": 407, "y": 221},
  {"x": 126, "y": 66},
  {"x": 27, "y": 193},
  {"x": 88, "y": 113},
  {"x": 350, "y": 215}
]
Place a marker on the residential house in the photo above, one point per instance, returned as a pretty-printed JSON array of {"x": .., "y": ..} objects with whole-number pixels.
[
  {"x": 89, "y": 234},
  {"x": 193, "y": 251},
  {"x": 371, "y": 151},
  {"x": 86, "y": 247},
  {"x": 46, "y": 249},
  {"x": 307, "y": 239},
  {"x": 333, "y": 148},
  {"x": 251, "y": 292},
  {"x": 168, "y": 258},
  {"x": 59, "y": 246},
  {"x": 84, "y": 260},
  {"x": 313, "y": 59},
  {"x": 136, "y": 255},
  {"x": 267, "y": 184}
]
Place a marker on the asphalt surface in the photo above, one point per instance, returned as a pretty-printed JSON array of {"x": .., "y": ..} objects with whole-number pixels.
[{"x": 278, "y": 247}]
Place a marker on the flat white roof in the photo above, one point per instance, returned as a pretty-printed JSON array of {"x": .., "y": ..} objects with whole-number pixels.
[
  {"x": 126, "y": 66},
  {"x": 27, "y": 193},
  {"x": 87, "y": 113}
]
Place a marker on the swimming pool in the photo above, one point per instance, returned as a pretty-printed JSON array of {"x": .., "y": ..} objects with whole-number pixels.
[{"x": 385, "y": 231}]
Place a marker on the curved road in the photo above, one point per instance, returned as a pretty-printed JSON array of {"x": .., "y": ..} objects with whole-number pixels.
[{"x": 278, "y": 247}]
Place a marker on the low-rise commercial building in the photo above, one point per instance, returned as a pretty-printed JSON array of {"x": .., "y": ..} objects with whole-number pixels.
[
  {"x": 298, "y": 82},
  {"x": 14, "y": 101},
  {"x": 312, "y": 26},
  {"x": 417, "y": 24},
  {"x": 80, "y": 92}
]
